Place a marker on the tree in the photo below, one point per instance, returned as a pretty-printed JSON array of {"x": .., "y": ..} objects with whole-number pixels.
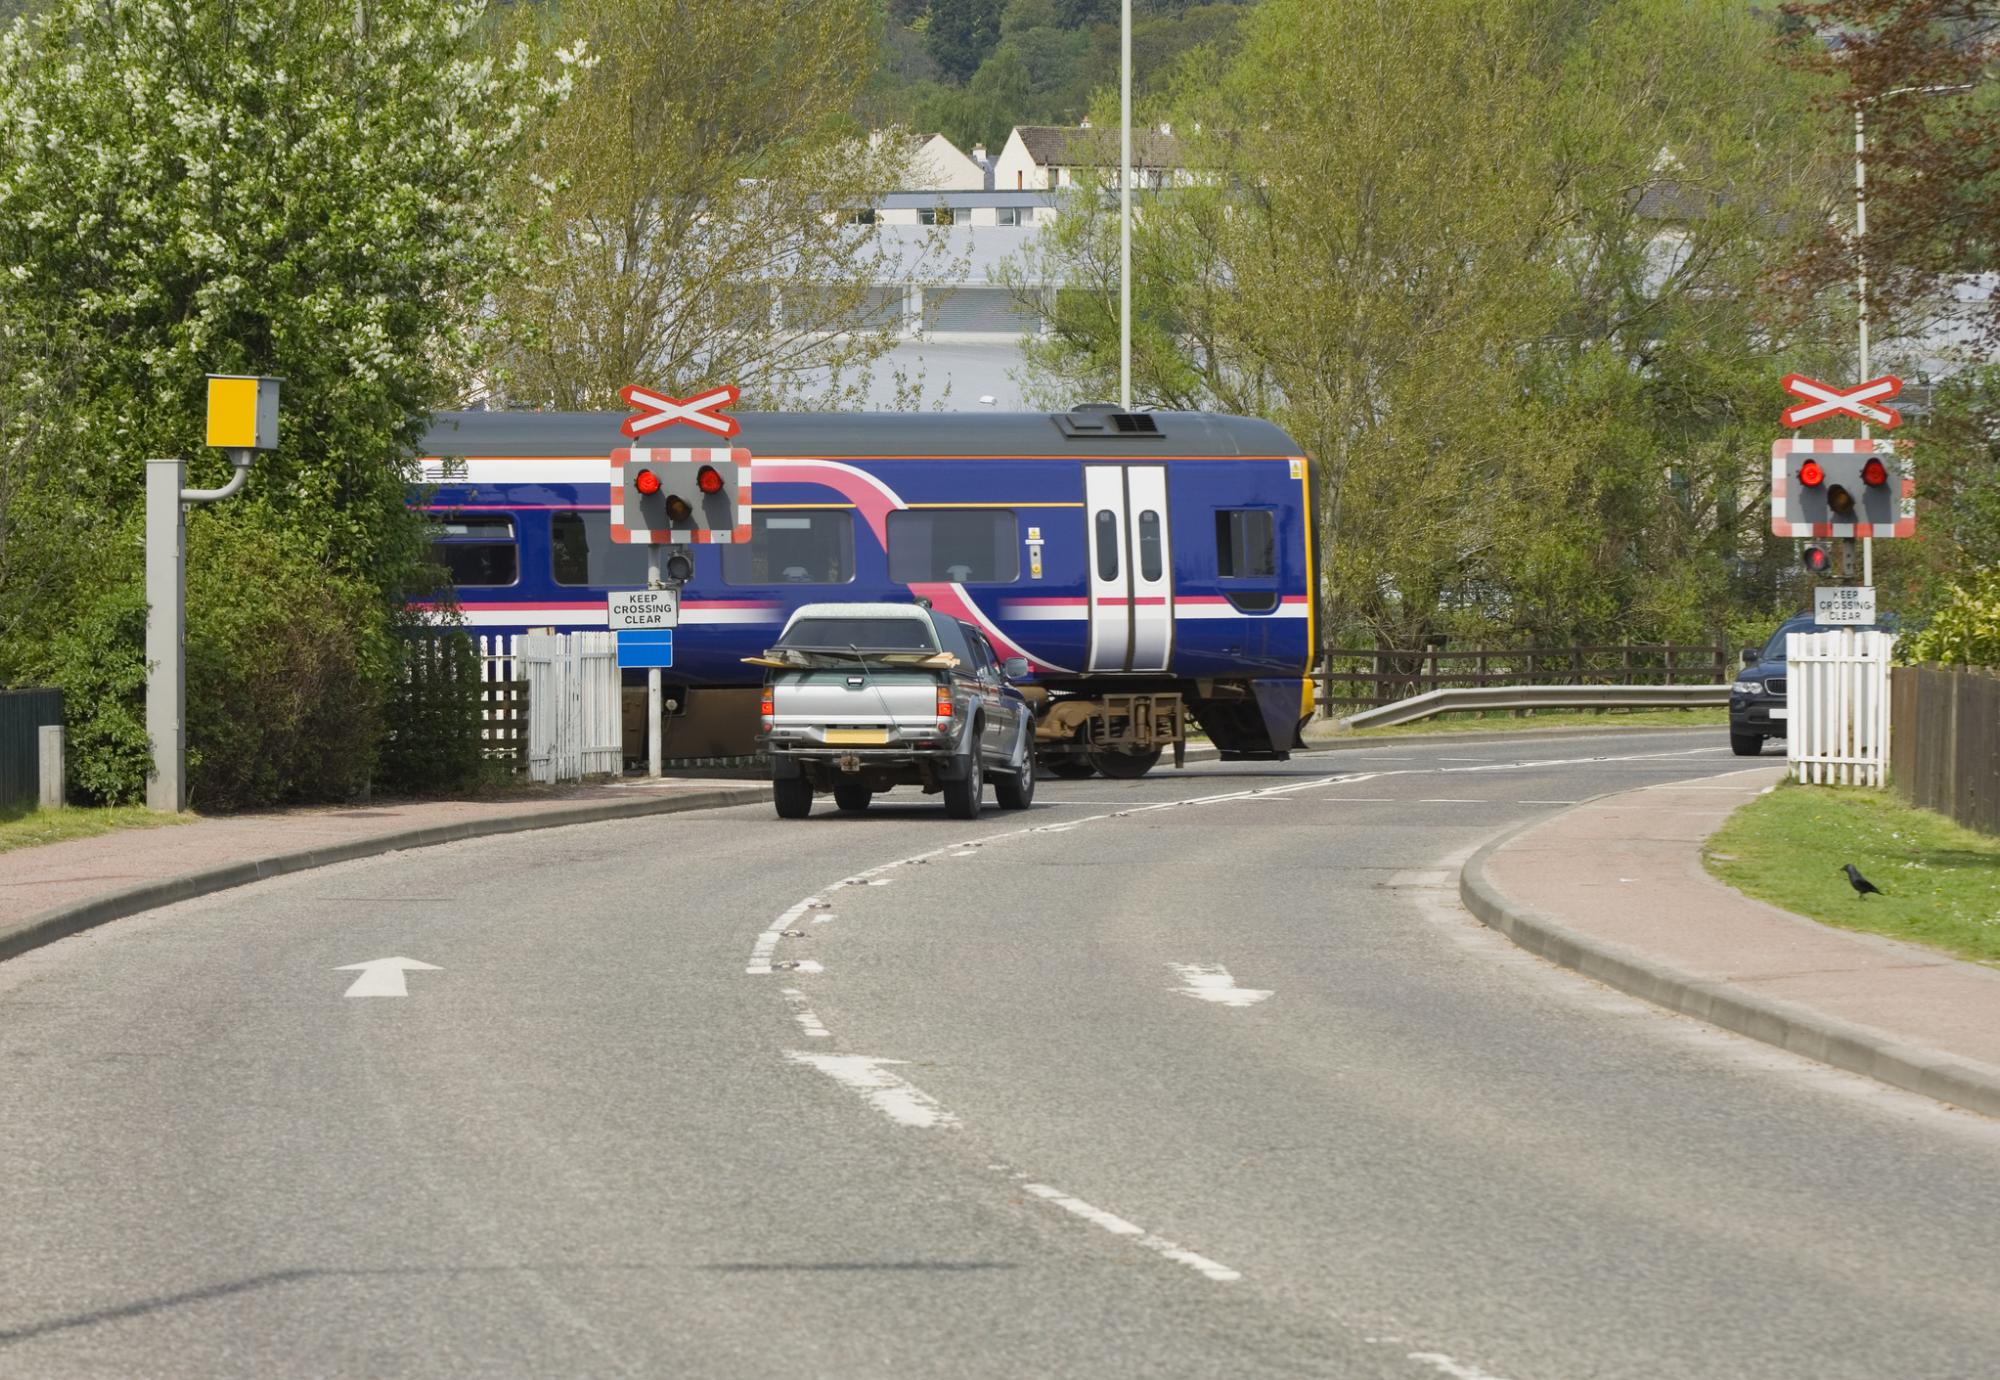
[
  {"x": 1504, "y": 295},
  {"x": 1921, "y": 74},
  {"x": 962, "y": 33},
  {"x": 700, "y": 191},
  {"x": 305, "y": 188}
]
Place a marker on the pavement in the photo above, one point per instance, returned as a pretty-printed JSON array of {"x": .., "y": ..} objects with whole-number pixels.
[
  {"x": 1207, "y": 1073},
  {"x": 1616, "y": 890},
  {"x": 60, "y": 889}
]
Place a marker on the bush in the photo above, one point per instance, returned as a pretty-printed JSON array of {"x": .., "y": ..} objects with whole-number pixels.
[
  {"x": 1965, "y": 629},
  {"x": 433, "y": 741},
  {"x": 99, "y": 660},
  {"x": 286, "y": 670}
]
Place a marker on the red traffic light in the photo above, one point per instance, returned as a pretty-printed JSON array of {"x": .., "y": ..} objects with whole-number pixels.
[
  {"x": 1816, "y": 559},
  {"x": 1811, "y": 475},
  {"x": 708, "y": 481},
  {"x": 1875, "y": 474},
  {"x": 647, "y": 483}
]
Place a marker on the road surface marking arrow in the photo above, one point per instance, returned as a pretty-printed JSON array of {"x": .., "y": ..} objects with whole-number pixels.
[
  {"x": 1829, "y": 400},
  {"x": 383, "y": 977},
  {"x": 1212, "y": 982}
]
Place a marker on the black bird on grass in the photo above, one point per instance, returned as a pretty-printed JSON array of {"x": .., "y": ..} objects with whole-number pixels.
[{"x": 1862, "y": 886}]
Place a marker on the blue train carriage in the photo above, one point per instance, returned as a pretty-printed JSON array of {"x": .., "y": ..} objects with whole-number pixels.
[{"x": 1153, "y": 568}]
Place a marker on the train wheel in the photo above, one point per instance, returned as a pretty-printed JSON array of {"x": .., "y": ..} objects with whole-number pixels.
[
  {"x": 1069, "y": 768},
  {"x": 1124, "y": 766}
]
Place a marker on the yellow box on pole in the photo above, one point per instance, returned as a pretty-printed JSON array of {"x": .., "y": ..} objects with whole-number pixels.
[{"x": 242, "y": 412}]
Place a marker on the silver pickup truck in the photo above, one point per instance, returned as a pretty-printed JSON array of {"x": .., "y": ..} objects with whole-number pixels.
[{"x": 863, "y": 697}]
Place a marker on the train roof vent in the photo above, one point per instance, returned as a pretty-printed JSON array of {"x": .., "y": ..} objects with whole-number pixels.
[{"x": 1104, "y": 422}]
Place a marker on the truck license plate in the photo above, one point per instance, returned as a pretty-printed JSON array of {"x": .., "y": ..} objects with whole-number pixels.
[{"x": 857, "y": 737}]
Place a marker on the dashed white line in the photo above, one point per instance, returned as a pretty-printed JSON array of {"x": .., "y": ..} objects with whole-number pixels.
[
  {"x": 1138, "y": 1235},
  {"x": 1213, "y": 982},
  {"x": 767, "y": 942},
  {"x": 808, "y": 1021},
  {"x": 1445, "y": 1365},
  {"x": 902, "y": 1101}
]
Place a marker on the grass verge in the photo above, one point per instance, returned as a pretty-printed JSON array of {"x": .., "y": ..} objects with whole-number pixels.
[
  {"x": 1503, "y": 721},
  {"x": 1940, "y": 882},
  {"x": 26, "y": 828}
]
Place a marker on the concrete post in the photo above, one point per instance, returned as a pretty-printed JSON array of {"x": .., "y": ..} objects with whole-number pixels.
[
  {"x": 166, "y": 620},
  {"x": 51, "y": 755}
]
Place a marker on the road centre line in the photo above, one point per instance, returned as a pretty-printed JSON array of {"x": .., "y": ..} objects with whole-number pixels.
[
  {"x": 1139, "y": 1236},
  {"x": 895, "y": 1097}
]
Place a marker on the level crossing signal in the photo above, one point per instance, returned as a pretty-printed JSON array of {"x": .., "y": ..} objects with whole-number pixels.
[
  {"x": 1840, "y": 488},
  {"x": 680, "y": 495}
]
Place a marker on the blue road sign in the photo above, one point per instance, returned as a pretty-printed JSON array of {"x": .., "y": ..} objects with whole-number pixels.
[{"x": 645, "y": 648}]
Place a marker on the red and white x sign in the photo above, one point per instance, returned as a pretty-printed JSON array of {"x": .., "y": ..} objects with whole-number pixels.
[
  {"x": 1824, "y": 400},
  {"x": 655, "y": 410}
]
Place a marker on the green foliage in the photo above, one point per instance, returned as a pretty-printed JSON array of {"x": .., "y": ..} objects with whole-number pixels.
[
  {"x": 304, "y": 188},
  {"x": 286, "y": 664},
  {"x": 434, "y": 743},
  {"x": 962, "y": 33},
  {"x": 1964, "y": 630}
]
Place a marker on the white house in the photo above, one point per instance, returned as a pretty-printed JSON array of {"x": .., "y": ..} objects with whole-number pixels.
[
  {"x": 938, "y": 165},
  {"x": 1048, "y": 157}
]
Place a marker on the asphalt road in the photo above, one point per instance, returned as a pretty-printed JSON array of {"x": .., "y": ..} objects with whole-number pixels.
[{"x": 1205, "y": 1074}]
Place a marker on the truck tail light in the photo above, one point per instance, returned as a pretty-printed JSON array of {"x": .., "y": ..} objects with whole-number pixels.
[
  {"x": 944, "y": 706},
  {"x": 768, "y": 710}
]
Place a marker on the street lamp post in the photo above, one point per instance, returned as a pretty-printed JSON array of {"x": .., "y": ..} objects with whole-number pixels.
[{"x": 1125, "y": 209}]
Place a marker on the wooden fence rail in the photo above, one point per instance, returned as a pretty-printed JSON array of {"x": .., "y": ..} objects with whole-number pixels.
[
  {"x": 1944, "y": 742},
  {"x": 1368, "y": 677}
]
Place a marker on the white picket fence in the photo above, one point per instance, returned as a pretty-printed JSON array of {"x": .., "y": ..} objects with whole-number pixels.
[
  {"x": 1837, "y": 707},
  {"x": 575, "y": 709}
]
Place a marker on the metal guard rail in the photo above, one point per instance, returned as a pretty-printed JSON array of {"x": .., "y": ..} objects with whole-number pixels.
[{"x": 1540, "y": 697}]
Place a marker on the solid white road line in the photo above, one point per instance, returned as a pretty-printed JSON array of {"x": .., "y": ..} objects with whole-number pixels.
[
  {"x": 1212, "y": 982},
  {"x": 1118, "y": 1226},
  {"x": 896, "y": 1098}
]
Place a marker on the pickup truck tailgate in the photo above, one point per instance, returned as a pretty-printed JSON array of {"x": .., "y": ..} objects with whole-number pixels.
[{"x": 834, "y": 697}]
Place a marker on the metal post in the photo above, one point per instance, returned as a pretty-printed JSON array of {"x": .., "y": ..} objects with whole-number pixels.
[
  {"x": 166, "y": 620},
  {"x": 653, "y": 678},
  {"x": 49, "y": 754},
  {"x": 1861, "y": 295},
  {"x": 1125, "y": 209}
]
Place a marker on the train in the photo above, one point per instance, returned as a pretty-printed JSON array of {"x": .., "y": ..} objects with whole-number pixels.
[{"x": 1154, "y": 569}]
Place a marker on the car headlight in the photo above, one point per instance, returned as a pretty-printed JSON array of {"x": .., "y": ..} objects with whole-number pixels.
[{"x": 1747, "y": 687}]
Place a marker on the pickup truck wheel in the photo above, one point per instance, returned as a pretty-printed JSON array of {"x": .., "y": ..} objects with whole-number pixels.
[
  {"x": 1124, "y": 766},
  {"x": 1070, "y": 768},
  {"x": 851, "y": 796},
  {"x": 1016, "y": 790},
  {"x": 793, "y": 796},
  {"x": 962, "y": 797},
  {"x": 1746, "y": 744}
]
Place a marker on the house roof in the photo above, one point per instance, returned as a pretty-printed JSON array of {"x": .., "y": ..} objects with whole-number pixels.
[{"x": 1077, "y": 146}]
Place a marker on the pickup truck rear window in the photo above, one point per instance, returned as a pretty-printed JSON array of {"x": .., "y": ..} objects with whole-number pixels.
[{"x": 864, "y": 634}]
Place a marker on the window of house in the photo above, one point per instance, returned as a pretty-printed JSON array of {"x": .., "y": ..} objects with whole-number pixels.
[
  {"x": 861, "y": 218},
  {"x": 582, "y": 553},
  {"x": 936, "y": 215},
  {"x": 960, "y": 545},
  {"x": 796, "y": 546},
  {"x": 1010, "y": 215},
  {"x": 476, "y": 551}
]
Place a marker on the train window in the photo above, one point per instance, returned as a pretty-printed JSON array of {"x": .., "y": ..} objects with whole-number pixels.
[
  {"x": 1244, "y": 546},
  {"x": 1150, "y": 565},
  {"x": 1107, "y": 544},
  {"x": 795, "y": 546},
  {"x": 582, "y": 553},
  {"x": 965, "y": 546},
  {"x": 476, "y": 551}
]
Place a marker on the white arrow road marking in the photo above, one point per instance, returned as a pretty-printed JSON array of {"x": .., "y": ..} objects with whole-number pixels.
[
  {"x": 896, "y": 1098},
  {"x": 383, "y": 977},
  {"x": 1212, "y": 982}
]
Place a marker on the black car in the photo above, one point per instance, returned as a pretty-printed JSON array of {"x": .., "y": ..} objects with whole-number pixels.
[{"x": 1757, "y": 699}]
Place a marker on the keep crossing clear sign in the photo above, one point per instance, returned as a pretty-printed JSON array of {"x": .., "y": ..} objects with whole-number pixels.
[
  {"x": 644, "y": 608},
  {"x": 1844, "y": 606}
]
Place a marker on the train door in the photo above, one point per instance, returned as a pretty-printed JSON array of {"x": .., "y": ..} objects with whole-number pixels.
[{"x": 1131, "y": 567}]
